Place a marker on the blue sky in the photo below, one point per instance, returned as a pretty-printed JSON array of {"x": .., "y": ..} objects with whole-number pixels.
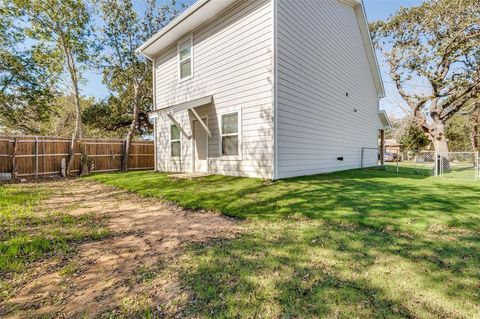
[
  {"x": 382, "y": 9},
  {"x": 376, "y": 9}
]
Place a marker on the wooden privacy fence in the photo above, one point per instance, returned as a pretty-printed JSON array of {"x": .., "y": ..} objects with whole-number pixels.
[{"x": 42, "y": 155}]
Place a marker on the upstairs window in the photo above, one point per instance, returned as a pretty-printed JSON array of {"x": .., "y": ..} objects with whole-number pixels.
[
  {"x": 175, "y": 143},
  {"x": 230, "y": 135},
  {"x": 185, "y": 59}
]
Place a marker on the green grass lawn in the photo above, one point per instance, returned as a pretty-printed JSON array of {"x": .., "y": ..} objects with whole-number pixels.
[
  {"x": 410, "y": 167},
  {"x": 355, "y": 244},
  {"x": 29, "y": 232}
]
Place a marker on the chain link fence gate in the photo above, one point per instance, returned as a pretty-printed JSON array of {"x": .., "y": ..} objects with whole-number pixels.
[{"x": 451, "y": 165}]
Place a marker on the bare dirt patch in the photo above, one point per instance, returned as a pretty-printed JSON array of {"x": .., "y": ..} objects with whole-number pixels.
[{"x": 130, "y": 272}]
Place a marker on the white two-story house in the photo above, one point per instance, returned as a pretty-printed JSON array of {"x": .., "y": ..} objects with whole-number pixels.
[{"x": 265, "y": 88}]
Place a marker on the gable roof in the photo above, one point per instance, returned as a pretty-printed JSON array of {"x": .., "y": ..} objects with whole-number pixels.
[
  {"x": 203, "y": 10},
  {"x": 197, "y": 14}
]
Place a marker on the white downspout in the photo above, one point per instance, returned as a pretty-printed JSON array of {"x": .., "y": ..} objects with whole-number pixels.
[{"x": 154, "y": 106}]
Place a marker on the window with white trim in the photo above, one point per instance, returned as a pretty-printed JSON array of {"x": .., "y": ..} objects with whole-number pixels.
[
  {"x": 175, "y": 143},
  {"x": 230, "y": 134},
  {"x": 185, "y": 64}
]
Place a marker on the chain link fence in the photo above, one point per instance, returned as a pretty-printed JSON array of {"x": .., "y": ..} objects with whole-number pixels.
[
  {"x": 418, "y": 163},
  {"x": 451, "y": 165},
  {"x": 459, "y": 165}
]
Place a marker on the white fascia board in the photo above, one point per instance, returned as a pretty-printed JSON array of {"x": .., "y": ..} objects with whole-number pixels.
[
  {"x": 351, "y": 2},
  {"x": 197, "y": 14}
]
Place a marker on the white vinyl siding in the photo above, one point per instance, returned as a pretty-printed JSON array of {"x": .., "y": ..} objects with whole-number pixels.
[
  {"x": 321, "y": 57},
  {"x": 233, "y": 62}
]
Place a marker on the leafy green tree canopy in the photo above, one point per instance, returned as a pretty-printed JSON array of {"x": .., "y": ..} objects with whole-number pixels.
[
  {"x": 436, "y": 44},
  {"x": 411, "y": 136},
  {"x": 26, "y": 87}
]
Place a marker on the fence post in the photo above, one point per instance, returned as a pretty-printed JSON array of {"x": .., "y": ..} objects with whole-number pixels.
[
  {"x": 477, "y": 171},
  {"x": 44, "y": 158},
  {"x": 435, "y": 166},
  {"x": 36, "y": 156},
  {"x": 382, "y": 148},
  {"x": 361, "y": 162},
  {"x": 14, "y": 159},
  {"x": 440, "y": 159}
]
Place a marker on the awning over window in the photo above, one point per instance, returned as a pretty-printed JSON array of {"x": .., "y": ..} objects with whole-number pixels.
[
  {"x": 189, "y": 105},
  {"x": 182, "y": 106}
]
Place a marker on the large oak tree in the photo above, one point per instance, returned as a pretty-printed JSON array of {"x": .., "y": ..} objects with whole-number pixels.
[{"x": 435, "y": 45}]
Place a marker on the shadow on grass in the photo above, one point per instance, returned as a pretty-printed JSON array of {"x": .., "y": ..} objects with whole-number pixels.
[
  {"x": 361, "y": 243},
  {"x": 368, "y": 197},
  {"x": 325, "y": 270}
]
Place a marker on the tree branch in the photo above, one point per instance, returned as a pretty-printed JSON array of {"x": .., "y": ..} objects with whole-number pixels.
[{"x": 458, "y": 101}]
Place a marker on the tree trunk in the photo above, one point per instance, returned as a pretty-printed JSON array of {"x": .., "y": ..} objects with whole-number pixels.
[
  {"x": 133, "y": 127},
  {"x": 441, "y": 145},
  {"x": 475, "y": 138},
  {"x": 78, "y": 132},
  {"x": 436, "y": 134}
]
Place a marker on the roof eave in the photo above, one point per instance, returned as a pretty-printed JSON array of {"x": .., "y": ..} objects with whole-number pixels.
[
  {"x": 374, "y": 64},
  {"x": 197, "y": 14},
  {"x": 383, "y": 116},
  {"x": 352, "y": 2},
  {"x": 365, "y": 31},
  {"x": 171, "y": 25}
]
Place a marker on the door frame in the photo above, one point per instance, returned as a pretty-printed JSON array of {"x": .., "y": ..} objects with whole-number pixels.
[{"x": 194, "y": 139}]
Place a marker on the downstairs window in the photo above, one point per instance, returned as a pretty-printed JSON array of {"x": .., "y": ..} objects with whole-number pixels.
[
  {"x": 230, "y": 135},
  {"x": 175, "y": 143}
]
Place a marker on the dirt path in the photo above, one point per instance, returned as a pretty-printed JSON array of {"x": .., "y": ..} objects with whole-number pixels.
[{"x": 123, "y": 270}]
